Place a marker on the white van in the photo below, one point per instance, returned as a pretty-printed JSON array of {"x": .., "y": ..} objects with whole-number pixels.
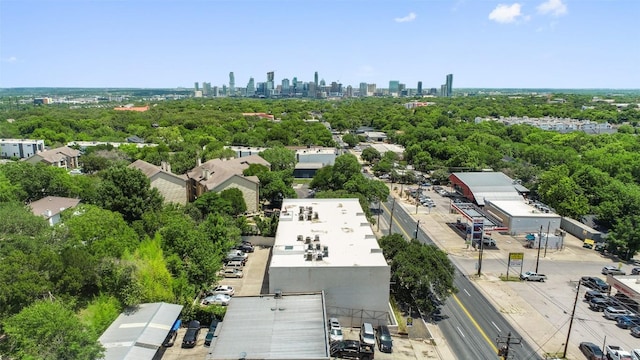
[{"x": 367, "y": 335}]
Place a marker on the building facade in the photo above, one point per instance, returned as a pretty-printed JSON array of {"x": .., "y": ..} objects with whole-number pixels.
[{"x": 20, "y": 148}]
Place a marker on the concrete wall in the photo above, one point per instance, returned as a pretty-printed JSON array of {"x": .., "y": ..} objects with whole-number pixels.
[
  {"x": 522, "y": 224},
  {"x": 357, "y": 288}
]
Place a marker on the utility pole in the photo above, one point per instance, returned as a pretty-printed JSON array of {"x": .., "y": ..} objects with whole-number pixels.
[
  {"x": 417, "y": 228},
  {"x": 504, "y": 343},
  {"x": 539, "y": 245},
  {"x": 418, "y": 194},
  {"x": 546, "y": 242},
  {"x": 479, "y": 254},
  {"x": 378, "y": 222},
  {"x": 573, "y": 313},
  {"x": 391, "y": 217}
]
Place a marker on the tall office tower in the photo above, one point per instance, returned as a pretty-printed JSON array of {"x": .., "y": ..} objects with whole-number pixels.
[
  {"x": 286, "y": 87},
  {"x": 349, "y": 92},
  {"x": 419, "y": 87},
  {"x": 394, "y": 87},
  {"x": 232, "y": 84},
  {"x": 270, "y": 84},
  {"x": 313, "y": 90},
  {"x": 323, "y": 83},
  {"x": 371, "y": 89},
  {"x": 315, "y": 79},
  {"x": 251, "y": 87},
  {"x": 363, "y": 89},
  {"x": 402, "y": 87},
  {"x": 443, "y": 90},
  {"x": 224, "y": 90},
  {"x": 449, "y": 84},
  {"x": 196, "y": 85},
  {"x": 206, "y": 88}
]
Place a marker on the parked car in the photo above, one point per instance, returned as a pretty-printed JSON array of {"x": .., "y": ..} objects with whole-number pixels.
[
  {"x": 335, "y": 334},
  {"x": 614, "y": 312},
  {"x": 367, "y": 334},
  {"x": 218, "y": 299},
  {"x": 591, "y": 351},
  {"x": 383, "y": 337},
  {"x": 615, "y": 352},
  {"x": 223, "y": 289},
  {"x": 246, "y": 247},
  {"x": 235, "y": 264},
  {"x": 635, "y": 271},
  {"x": 334, "y": 323},
  {"x": 232, "y": 273},
  {"x": 351, "y": 349},
  {"x": 635, "y": 331},
  {"x": 635, "y": 354},
  {"x": 595, "y": 283},
  {"x": 191, "y": 336},
  {"x": 212, "y": 331},
  {"x": 533, "y": 276},
  {"x": 590, "y": 294},
  {"x": 628, "y": 321},
  {"x": 612, "y": 270},
  {"x": 599, "y": 304},
  {"x": 172, "y": 335}
]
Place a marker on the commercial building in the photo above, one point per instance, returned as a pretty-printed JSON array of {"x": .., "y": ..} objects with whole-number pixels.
[
  {"x": 20, "y": 148},
  {"x": 521, "y": 217},
  {"x": 480, "y": 186},
  {"x": 449, "y": 85},
  {"x": 281, "y": 326},
  {"x": 328, "y": 245}
]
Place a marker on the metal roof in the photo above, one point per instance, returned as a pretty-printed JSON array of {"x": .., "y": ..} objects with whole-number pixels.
[
  {"x": 138, "y": 333},
  {"x": 491, "y": 186},
  {"x": 263, "y": 327}
]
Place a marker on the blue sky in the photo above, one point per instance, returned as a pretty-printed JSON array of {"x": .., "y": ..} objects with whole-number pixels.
[{"x": 162, "y": 43}]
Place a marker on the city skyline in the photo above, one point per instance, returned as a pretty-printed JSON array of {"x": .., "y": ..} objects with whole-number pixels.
[{"x": 487, "y": 44}]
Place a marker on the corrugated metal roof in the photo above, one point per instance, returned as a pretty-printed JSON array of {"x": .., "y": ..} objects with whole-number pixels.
[
  {"x": 491, "y": 186},
  {"x": 138, "y": 333},
  {"x": 262, "y": 327}
]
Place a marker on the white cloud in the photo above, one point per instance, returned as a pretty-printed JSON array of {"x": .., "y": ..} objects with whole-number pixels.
[
  {"x": 10, "y": 59},
  {"x": 553, "y": 7},
  {"x": 412, "y": 16},
  {"x": 505, "y": 14}
]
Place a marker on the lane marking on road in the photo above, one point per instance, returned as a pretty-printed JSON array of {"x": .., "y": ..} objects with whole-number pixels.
[
  {"x": 465, "y": 290},
  {"x": 460, "y": 331},
  {"x": 475, "y": 323},
  {"x": 494, "y": 324},
  {"x": 401, "y": 228}
]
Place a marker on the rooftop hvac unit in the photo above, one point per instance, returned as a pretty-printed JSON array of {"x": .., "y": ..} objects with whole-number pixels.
[
  {"x": 278, "y": 294},
  {"x": 308, "y": 256},
  {"x": 307, "y": 240},
  {"x": 301, "y": 209},
  {"x": 315, "y": 215},
  {"x": 300, "y": 237},
  {"x": 318, "y": 246},
  {"x": 309, "y": 216},
  {"x": 310, "y": 247},
  {"x": 325, "y": 251},
  {"x": 319, "y": 256},
  {"x": 301, "y": 216},
  {"x": 316, "y": 238},
  {"x": 310, "y": 208}
]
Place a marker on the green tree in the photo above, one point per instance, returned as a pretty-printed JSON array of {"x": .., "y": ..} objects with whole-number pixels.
[
  {"x": 280, "y": 158},
  {"x": 234, "y": 197},
  {"x": 128, "y": 192},
  {"x": 49, "y": 330},
  {"x": 351, "y": 139},
  {"x": 370, "y": 155}
]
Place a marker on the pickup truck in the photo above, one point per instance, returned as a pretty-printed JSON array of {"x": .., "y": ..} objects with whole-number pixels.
[
  {"x": 615, "y": 352},
  {"x": 533, "y": 276}
]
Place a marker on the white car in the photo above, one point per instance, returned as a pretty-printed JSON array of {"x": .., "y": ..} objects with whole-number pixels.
[
  {"x": 232, "y": 273},
  {"x": 335, "y": 334},
  {"x": 223, "y": 289},
  {"x": 334, "y": 323},
  {"x": 219, "y": 299}
]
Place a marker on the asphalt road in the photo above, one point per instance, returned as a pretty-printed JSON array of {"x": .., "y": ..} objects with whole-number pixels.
[{"x": 470, "y": 323}]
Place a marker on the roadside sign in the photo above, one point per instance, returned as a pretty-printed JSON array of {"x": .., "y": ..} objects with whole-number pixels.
[{"x": 515, "y": 259}]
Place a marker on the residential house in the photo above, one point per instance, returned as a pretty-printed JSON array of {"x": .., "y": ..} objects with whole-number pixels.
[
  {"x": 50, "y": 207},
  {"x": 63, "y": 157},
  {"x": 172, "y": 187},
  {"x": 218, "y": 175}
]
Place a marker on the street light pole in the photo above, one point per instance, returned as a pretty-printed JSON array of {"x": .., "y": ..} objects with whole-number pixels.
[
  {"x": 391, "y": 216},
  {"x": 573, "y": 313},
  {"x": 417, "y": 228},
  {"x": 378, "y": 222}
]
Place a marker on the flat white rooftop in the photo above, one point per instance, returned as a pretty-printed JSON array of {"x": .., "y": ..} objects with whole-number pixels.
[
  {"x": 325, "y": 233},
  {"x": 312, "y": 151},
  {"x": 518, "y": 208}
]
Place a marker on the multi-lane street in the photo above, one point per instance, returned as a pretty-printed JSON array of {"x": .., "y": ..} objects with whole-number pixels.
[{"x": 470, "y": 323}]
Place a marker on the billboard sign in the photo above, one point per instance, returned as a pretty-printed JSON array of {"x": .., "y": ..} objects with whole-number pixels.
[{"x": 515, "y": 259}]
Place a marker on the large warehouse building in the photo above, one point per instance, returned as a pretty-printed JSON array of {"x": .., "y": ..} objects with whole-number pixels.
[
  {"x": 328, "y": 245},
  {"x": 520, "y": 217},
  {"x": 480, "y": 186}
]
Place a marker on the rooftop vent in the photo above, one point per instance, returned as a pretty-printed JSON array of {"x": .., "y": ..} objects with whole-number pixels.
[
  {"x": 319, "y": 256},
  {"x": 300, "y": 237},
  {"x": 278, "y": 294},
  {"x": 309, "y": 216},
  {"x": 308, "y": 256},
  {"x": 316, "y": 238},
  {"x": 315, "y": 215},
  {"x": 301, "y": 217},
  {"x": 307, "y": 240},
  {"x": 317, "y": 246}
]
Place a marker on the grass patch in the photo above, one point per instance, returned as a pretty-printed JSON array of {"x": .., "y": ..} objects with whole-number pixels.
[
  {"x": 510, "y": 278},
  {"x": 402, "y": 321},
  {"x": 301, "y": 181}
]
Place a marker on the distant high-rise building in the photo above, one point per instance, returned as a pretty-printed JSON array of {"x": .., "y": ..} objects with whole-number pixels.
[
  {"x": 270, "y": 84},
  {"x": 449, "y": 85},
  {"x": 251, "y": 87},
  {"x": 286, "y": 87},
  {"x": 206, "y": 88},
  {"x": 232, "y": 84},
  {"x": 419, "y": 87},
  {"x": 224, "y": 90},
  {"x": 443, "y": 90},
  {"x": 196, "y": 85},
  {"x": 323, "y": 83},
  {"x": 363, "y": 89},
  {"x": 349, "y": 92},
  {"x": 371, "y": 89},
  {"x": 315, "y": 79},
  {"x": 394, "y": 87}
]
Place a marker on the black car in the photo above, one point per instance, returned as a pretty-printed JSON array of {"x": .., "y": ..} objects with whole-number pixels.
[
  {"x": 591, "y": 351},
  {"x": 351, "y": 349},
  {"x": 599, "y": 304},
  {"x": 383, "y": 338},
  {"x": 246, "y": 247},
  {"x": 635, "y": 271},
  {"x": 593, "y": 294},
  {"x": 595, "y": 283},
  {"x": 191, "y": 336},
  {"x": 212, "y": 329}
]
